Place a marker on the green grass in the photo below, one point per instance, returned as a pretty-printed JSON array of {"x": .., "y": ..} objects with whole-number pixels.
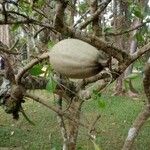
[{"x": 116, "y": 119}]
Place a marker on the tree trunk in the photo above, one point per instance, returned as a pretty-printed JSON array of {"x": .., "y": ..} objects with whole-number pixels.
[
  {"x": 133, "y": 48},
  {"x": 119, "y": 85},
  {"x": 69, "y": 128},
  {"x": 120, "y": 23},
  {"x": 73, "y": 127},
  {"x": 96, "y": 22}
]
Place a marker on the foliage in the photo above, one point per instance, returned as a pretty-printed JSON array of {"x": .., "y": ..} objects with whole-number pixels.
[{"x": 36, "y": 70}]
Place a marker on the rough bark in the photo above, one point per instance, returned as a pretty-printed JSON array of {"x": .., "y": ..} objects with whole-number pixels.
[
  {"x": 101, "y": 8},
  {"x": 95, "y": 24},
  {"x": 120, "y": 23},
  {"x": 133, "y": 48},
  {"x": 73, "y": 127}
]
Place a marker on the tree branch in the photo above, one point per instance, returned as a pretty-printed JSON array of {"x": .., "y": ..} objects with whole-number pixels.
[
  {"x": 85, "y": 82},
  {"x": 59, "y": 16},
  {"x": 127, "y": 31},
  {"x": 140, "y": 52},
  {"x": 100, "y": 44},
  {"x": 8, "y": 51},
  {"x": 30, "y": 65},
  {"x": 101, "y": 8}
]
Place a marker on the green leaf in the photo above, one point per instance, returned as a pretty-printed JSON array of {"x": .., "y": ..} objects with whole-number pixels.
[
  {"x": 96, "y": 147},
  {"x": 51, "y": 85},
  {"x": 36, "y": 70}
]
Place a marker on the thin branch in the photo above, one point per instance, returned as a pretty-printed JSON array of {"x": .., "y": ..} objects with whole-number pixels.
[
  {"x": 30, "y": 65},
  {"x": 111, "y": 50},
  {"x": 40, "y": 12},
  {"x": 27, "y": 20},
  {"x": 140, "y": 52},
  {"x": 94, "y": 123},
  {"x": 107, "y": 47},
  {"x": 82, "y": 16},
  {"x": 92, "y": 129},
  {"x": 85, "y": 82},
  {"x": 8, "y": 52},
  {"x": 127, "y": 31},
  {"x": 16, "y": 22},
  {"x": 15, "y": 44},
  {"x": 4, "y": 48},
  {"x": 101, "y": 8},
  {"x": 59, "y": 15},
  {"x": 18, "y": 14},
  {"x": 98, "y": 86},
  {"x": 36, "y": 34}
]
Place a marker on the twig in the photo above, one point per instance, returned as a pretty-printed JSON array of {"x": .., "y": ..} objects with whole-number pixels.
[
  {"x": 59, "y": 15},
  {"x": 17, "y": 22},
  {"x": 40, "y": 12},
  {"x": 30, "y": 65},
  {"x": 94, "y": 123},
  {"x": 79, "y": 20},
  {"x": 27, "y": 20},
  {"x": 15, "y": 44},
  {"x": 4, "y": 48},
  {"x": 140, "y": 52},
  {"x": 101, "y": 8},
  {"x": 101, "y": 75},
  {"x": 92, "y": 128},
  {"x": 8, "y": 52},
  {"x": 36, "y": 34},
  {"x": 18, "y": 14},
  {"x": 127, "y": 31},
  {"x": 26, "y": 117}
]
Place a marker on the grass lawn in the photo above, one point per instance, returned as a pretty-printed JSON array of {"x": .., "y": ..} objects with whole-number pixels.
[{"x": 116, "y": 118}]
